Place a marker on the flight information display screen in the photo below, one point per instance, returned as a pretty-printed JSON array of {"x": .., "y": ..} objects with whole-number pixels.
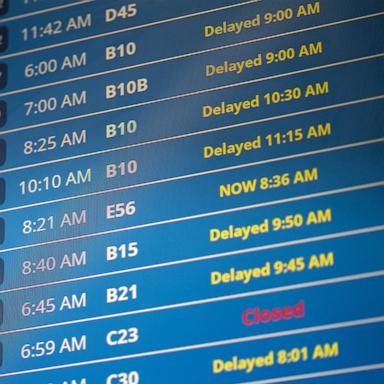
[{"x": 191, "y": 191}]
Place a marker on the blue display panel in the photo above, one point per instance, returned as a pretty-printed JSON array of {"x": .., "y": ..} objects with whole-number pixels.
[{"x": 191, "y": 192}]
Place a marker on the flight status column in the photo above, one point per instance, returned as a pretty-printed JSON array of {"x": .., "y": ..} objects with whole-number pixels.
[{"x": 191, "y": 191}]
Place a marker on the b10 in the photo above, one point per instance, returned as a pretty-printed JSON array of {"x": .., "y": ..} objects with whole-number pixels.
[
  {"x": 121, "y": 129},
  {"x": 119, "y": 51},
  {"x": 121, "y": 169}
]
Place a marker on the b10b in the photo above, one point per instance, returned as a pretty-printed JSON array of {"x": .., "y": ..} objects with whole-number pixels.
[{"x": 129, "y": 88}]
